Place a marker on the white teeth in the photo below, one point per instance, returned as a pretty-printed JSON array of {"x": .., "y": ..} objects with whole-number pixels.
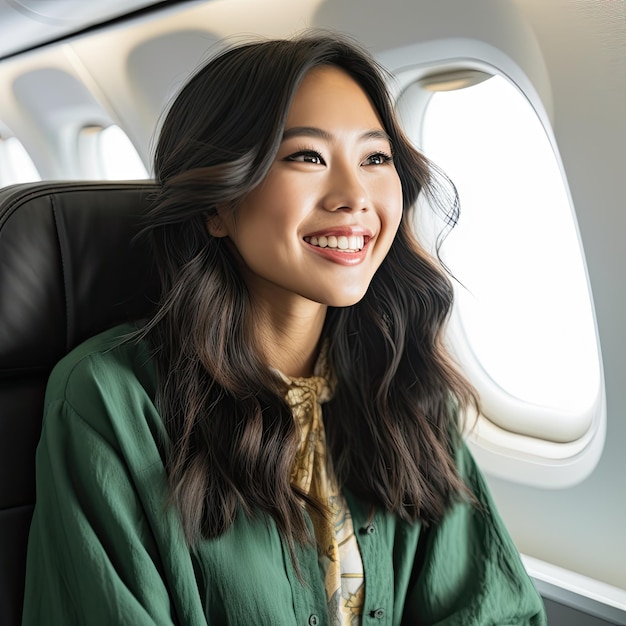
[{"x": 343, "y": 242}]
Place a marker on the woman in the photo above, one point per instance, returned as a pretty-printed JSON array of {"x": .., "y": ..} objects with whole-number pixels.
[{"x": 279, "y": 444}]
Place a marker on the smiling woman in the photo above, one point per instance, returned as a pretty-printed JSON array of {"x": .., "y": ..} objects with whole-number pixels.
[{"x": 280, "y": 442}]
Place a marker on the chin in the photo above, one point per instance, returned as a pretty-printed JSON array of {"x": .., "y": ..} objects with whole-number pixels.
[{"x": 345, "y": 300}]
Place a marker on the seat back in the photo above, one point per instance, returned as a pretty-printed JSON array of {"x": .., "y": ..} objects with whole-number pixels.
[{"x": 69, "y": 268}]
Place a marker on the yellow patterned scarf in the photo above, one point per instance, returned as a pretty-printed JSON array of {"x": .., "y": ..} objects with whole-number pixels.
[{"x": 334, "y": 533}]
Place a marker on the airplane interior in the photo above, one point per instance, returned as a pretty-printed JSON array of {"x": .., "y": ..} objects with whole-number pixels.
[{"x": 520, "y": 102}]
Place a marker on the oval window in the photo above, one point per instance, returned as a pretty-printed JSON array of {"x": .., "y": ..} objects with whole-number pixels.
[
  {"x": 107, "y": 152},
  {"x": 523, "y": 324}
]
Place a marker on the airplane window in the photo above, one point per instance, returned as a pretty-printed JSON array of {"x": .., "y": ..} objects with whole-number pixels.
[
  {"x": 16, "y": 165},
  {"x": 108, "y": 153},
  {"x": 523, "y": 324}
]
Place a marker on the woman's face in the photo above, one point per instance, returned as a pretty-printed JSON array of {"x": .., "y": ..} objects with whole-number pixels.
[{"x": 322, "y": 221}]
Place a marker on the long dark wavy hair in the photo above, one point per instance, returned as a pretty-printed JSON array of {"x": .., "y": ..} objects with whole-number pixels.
[{"x": 392, "y": 424}]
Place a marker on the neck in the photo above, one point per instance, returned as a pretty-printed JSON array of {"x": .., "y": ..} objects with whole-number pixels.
[{"x": 289, "y": 336}]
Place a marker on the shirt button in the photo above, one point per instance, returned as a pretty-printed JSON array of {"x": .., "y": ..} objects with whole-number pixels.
[
  {"x": 378, "y": 613},
  {"x": 370, "y": 529},
  {"x": 313, "y": 620}
]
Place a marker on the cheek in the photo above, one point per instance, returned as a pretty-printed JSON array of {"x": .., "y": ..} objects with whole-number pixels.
[
  {"x": 393, "y": 213},
  {"x": 280, "y": 203},
  {"x": 391, "y": 218}
]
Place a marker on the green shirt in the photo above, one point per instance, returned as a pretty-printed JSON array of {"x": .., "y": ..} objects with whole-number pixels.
[{"x": 105, "y": 549}]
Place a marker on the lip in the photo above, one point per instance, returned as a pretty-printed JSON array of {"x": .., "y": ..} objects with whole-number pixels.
[
  {"x": 340, "y": 257},
  {"x": 345, "y": 231}
]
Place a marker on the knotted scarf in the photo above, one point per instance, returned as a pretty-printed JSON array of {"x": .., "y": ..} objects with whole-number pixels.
[{"x": 312, "y": 472}]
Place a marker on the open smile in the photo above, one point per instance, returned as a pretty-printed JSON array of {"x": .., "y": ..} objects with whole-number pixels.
[
  {"x": 346, "y": 246},
  {"x": 351, "y": 243}
]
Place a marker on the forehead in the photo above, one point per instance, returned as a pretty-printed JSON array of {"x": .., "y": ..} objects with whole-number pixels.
[{"x": 329, "y": 95}]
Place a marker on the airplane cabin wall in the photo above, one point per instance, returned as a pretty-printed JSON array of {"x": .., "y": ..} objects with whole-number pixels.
[{"x": 581, "y": 528}]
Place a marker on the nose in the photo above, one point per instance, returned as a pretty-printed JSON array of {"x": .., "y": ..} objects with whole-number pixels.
[{"x": 345, "y": 190}]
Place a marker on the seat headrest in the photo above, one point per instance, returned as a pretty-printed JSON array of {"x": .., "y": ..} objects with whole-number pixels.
[{"x": 69, "y": 267}]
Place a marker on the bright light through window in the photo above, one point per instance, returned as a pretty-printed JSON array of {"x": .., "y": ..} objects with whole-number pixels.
[
  {"x": 525, "y": 308},
  {"x": 118, "y": 155},
  {"x": 108, "y": 153},
  {"x": 16, "y": 165}
]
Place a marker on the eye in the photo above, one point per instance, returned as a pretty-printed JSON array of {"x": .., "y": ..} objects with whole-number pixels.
[
  {"x": 306, "y": 156},
  {"x": 378, "y": 158}
]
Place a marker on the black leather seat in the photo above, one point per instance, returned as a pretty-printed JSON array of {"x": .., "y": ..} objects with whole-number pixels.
[{"x": 68, "y": 269}]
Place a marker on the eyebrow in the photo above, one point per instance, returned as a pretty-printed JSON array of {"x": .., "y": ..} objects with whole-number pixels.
[{"x": 312, "y": 131}]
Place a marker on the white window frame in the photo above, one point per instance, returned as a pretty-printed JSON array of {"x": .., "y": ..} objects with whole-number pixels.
[{"x": 504, "y": 453}]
